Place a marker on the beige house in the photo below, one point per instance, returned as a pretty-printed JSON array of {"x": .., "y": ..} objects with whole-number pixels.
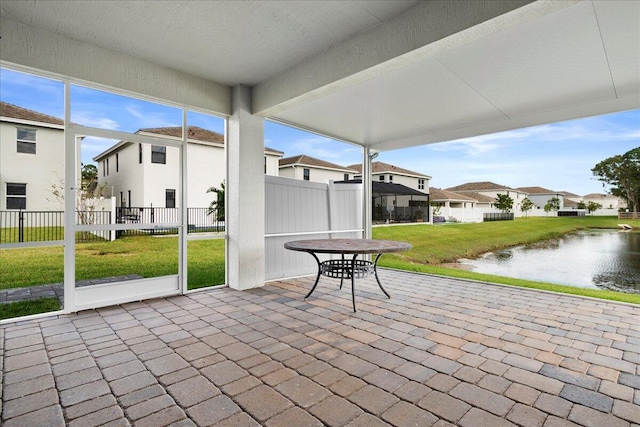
[
  {"x": 309, "y": 168},
  {"x": 31, "y": 159},
  {"x": 144, "y": 175}
]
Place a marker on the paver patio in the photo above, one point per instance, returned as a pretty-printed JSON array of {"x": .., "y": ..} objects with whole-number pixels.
[{"x": 440, "y": 352}]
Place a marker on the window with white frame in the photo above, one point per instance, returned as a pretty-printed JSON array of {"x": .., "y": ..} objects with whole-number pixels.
[
  {"x": 26, "y": 140},
  {"x": 159, "y": 154},
  {"x": 16, "y": 196},
  {"x": 170, "y": 198},
  {"x": 306, "y": 174},
  {"x": 381, "y": 178},
  {"x": 421, "y": 184},
  {"x": 390, "y": 178}
]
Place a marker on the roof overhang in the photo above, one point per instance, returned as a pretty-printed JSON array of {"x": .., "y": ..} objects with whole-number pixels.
[{"x": 386, "y": 75}]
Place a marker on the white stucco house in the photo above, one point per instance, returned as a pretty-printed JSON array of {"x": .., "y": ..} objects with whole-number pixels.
[
  {"x": 491, "y": 189},
  {"x": 312, "y": 169},
  {"x": 385, "y": 172},
  {"x": 540, "y": 196},
  {"x": 144, "y": 175},
  {"x": 607, "y": 201},
  {"x": 31, "y": 159}
]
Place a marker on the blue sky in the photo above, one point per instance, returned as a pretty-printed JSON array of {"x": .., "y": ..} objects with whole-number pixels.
[{"x": 557, "y": 156}]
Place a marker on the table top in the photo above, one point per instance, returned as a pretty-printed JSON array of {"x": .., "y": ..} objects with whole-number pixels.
[{"x": 348, "y": 246}]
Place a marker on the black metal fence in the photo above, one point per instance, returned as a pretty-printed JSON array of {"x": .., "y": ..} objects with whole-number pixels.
[
  {"x": 39, "y": 226},
  {"x": 497, "y": 216}
]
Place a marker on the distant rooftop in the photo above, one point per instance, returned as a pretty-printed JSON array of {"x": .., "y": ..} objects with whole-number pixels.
[
  {"x": 312, "y": 161},
  {"x": 381, "y": 167},
  {"x": 15, "y": 112},
  {"x": 537, "y": 190},
  {"x": 480, "y": 186},
  {"x": 438, "y": 195}
]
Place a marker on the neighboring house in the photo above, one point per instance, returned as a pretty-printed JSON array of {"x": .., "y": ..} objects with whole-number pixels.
[
  {"x": 144, "y": 175},
  {"x": 606, "y": 200},
  {"x": 568, "y": 196},
  {"x": 491, "y": 190},
  {"x": 384, "y": 172},
  {"x": 31, "y": 159},
  {"x": 540, "y": 196},
  {"x": 309, "y": 168}
]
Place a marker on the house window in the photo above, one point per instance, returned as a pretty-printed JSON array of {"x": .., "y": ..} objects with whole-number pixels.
[
  {"x": 305, "y": 174},
  {"x": 390, "y": 178},
  {"x": 104, "y": 168},
  {"x": 16, "y": 196},
  {"x": 139, "y": 153},
  {"x": 421, "y": 184},
  {"x": 346, "y": 177},
  {"x": 170, "y": 198},
  {"x": 107, "y": 166},
  {"x": 265, "y": 164},
  {"x": 26, "y": 141},
  {"x": 158, "y": 154},
  {"x": 117, "y": 163},
  {"x": 381, "y": 178}
]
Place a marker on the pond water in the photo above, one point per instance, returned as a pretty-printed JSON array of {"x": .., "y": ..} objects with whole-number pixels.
[{"x": 603, "y": 259}]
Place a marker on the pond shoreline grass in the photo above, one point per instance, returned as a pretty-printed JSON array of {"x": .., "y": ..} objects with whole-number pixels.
[{"x": 437, "y": 246}]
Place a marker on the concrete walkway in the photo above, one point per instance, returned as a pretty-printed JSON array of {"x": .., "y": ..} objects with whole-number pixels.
[{"x": 441, "y": 352}]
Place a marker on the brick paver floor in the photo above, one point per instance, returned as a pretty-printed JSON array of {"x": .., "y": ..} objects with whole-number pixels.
[{"x": 441, "y": 352}]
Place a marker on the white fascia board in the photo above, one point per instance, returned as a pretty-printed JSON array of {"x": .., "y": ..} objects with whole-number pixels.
[
  {"x": 28, "y": 48},
  {"x": 30, "y": 123},
  {"x": 428, "y": 28}
]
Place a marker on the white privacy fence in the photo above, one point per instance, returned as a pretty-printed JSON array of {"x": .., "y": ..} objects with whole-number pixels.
[{"x": 297, "y": 210}]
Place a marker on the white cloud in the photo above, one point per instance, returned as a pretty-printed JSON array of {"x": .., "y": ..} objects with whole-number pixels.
[
  {"x": 89, "y": 118},
  {"x": 324, "y": 148},
  {"x": 146, "y": 119}
]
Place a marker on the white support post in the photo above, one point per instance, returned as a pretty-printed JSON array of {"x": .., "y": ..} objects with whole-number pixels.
[
  {"x": 70, "y": 166},
  {"x": 366, "y": 192},
  {"x": 244, "y": 213}
]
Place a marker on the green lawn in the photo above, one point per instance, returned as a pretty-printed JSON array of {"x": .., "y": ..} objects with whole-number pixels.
[
  {"x": 147, "y": 256},
  {"x": 432, "y": 246}
]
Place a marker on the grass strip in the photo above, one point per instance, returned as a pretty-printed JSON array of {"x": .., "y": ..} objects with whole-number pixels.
[{"x": 26, "y": 308}]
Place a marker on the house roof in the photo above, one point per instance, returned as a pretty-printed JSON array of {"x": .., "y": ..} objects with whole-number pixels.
[
  {"x": 312, "y": 161},
  {"x": 537, "y": 190},
  {"x": 387, "y": 188},
  {"x": 481, "y": 198},
  {"x": 570, "y": 203},
  {"x": 15, "y": 112},
  {"x": 569, "y": 194},
  {"x": 381, "y": 167},
  {"x": 438, "y": 195},
  {"x": 195, "y": 133},
  {"x": 480, "y": 186},
  {"x": 598, "y": 196}
]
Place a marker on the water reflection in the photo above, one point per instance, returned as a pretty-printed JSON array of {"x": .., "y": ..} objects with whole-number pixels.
[{"x": 603, "y": 259}]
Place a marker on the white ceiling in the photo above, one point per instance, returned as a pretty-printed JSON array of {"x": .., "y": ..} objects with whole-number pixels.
[{"x": 388, "y": 74}]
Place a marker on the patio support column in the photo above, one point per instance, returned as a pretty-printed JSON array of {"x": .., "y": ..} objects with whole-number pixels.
[
  {"x": 366, "y": 192},
  {"x": 245, "y": 194}
]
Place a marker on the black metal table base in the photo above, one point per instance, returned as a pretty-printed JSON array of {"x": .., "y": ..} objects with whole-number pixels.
[{"x": 347, "y": 269}]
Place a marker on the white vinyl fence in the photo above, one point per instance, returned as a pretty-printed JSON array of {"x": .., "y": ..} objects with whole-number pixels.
[{"x": 299, "y": 210}]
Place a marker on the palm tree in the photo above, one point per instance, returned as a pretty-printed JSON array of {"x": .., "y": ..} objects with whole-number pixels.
[{"x": 217, "y": 205}]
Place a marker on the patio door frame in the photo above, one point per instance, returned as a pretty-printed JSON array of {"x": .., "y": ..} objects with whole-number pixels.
[{"x": 76, "y": 299}]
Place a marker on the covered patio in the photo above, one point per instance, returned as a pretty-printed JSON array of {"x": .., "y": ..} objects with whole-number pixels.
[
  {"x": 440, "y": 352},
  {"x": 382, "y": 76}
]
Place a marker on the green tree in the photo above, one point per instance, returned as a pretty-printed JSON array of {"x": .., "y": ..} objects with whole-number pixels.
[
  {"x": 526, "y": 206},
  {"x": 593, "y": 206},
  {"x": 504, "y": 203},
  {"x": 622, "y": 174},
  {"x": 217, "y": 205},
  {"x": 582, "y": 205},
  {"x": 553, "y": 204}
]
